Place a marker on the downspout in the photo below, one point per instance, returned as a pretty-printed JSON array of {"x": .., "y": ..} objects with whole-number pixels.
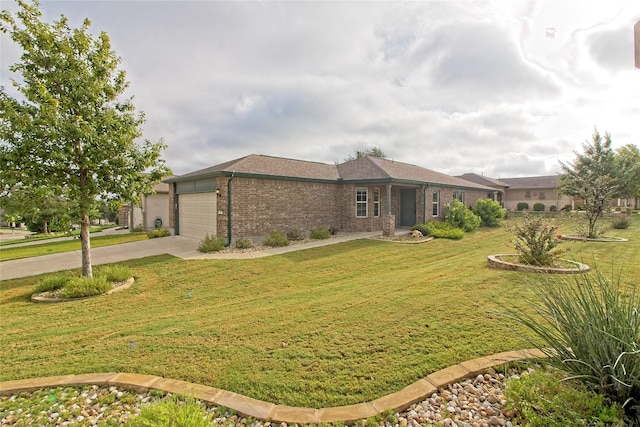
[{"x": 229, "y": 209}]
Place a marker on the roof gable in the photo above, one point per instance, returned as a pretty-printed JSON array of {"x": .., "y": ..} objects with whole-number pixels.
[{"x": 484, "y": 180}]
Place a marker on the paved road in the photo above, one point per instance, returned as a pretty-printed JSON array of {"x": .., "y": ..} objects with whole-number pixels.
[{"x": 182, "y": 247}]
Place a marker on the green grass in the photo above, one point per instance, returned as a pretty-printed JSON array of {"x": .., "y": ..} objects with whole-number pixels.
[
  {"x": 360, "y": 319},
  {"x": 28, "y": 251},
  {"x": 38, "y": 237}
]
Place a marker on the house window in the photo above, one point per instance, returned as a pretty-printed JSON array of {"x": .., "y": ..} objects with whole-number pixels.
[
  {"x": 436, "y": 202},
  {"x": 527, "y": 194},
  {"x": 458, "y": 195},
  {"x": 541, "y": 196},
  {"x": 376, "y": 202},
  {"x": 361, "y": 202}
]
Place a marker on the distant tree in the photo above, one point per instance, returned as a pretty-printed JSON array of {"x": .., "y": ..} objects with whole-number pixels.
[
  {"x": 628, "y": 166},
  {"x": 369, "y": 152},
  {"x": 69, "y": 131},
  {"x": 41, "y": 210},
  {"x": 594, "y": 178}
]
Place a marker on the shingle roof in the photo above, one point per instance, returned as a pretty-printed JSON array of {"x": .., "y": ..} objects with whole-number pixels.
[
  {"x": 257, "y": 164},
  {"x": 531, "y": 182},
  {"x": 484, "y": 180},
  {"x": 364, "y": 168}
]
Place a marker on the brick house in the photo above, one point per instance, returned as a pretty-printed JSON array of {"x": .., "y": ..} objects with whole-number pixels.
[
  {"x": 251, "y": 196},
  {"x": 535, "y": 189}
]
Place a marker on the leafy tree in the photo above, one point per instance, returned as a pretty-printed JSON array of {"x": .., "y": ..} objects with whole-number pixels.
[
  {"x": 628, "y": 167},
  {"x": 70, "y": 132},
  {"x": 592, "y": 177},
  {"x": 489, "y": 211},
  {"x": 41, "y": 210},
  {"x": 369, "y": 152}
]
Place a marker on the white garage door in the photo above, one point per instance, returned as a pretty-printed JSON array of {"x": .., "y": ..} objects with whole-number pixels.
[{"x": 197, "y": 215}]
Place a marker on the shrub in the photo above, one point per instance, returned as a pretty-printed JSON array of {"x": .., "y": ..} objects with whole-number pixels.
[
  {"x": 52, "y": 283},
  {"x": 568, "y": 208},
  {"x": 211, "y": 244},
  {"x": 535, "y": 240},
  {"x": 620, "y": 222},
  {"x": 590, "y": 328},
  {"x": 114, "y": 272},
  {"x": 443, "y": 230},
  {"x": 521, "y": 206},
  {"x": 333, "y": 230},
  {"x": 538, "y": 207},
  {"x": 541, "y": 398},
  {"x": 489, "y": 211},
  {"x": 78, "y": 287},
  {"x": 158, "y": 232},
  {"x": 423, "y": 228},
  {"x": 553, "y": 208},
  {"x": 244, "y": 244},
  {"x": 458, "y": 216},
  {"x": 276, "y": 239},
  {"x": 172, "y": 413},
  {"x": 295, "y": 235},
  {"x": 320, "y": 233}
]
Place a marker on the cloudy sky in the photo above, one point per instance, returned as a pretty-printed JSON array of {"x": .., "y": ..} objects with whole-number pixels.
[{"x": 501, "y": 88}]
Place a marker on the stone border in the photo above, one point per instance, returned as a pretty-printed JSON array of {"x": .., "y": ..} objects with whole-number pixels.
[
  {"x": 41, "y": 297},
  {"x": 249, "y": 407},
  {"x": 494, "y": 261},
  {"x": 603, "y": 239}
]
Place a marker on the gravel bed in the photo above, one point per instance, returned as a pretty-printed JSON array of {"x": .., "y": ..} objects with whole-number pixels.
[{"x": 475, "y": 402}]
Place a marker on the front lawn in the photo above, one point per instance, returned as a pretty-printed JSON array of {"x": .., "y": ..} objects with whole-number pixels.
[{"x": 329, "y": 326}]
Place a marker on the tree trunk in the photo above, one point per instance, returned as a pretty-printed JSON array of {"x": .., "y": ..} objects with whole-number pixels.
[{"x": 86, "y": 247}]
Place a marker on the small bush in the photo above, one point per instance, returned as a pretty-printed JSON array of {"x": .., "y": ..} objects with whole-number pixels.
[
  {"x": 78, "y": 287},
  {"x": 589, "y": 326},
  {"x": 333, "y": 230},
  {"x": 276, "y": 239},
  {"x": 52, "y": 283},
  {"x": 172, "y": 413},
  {"x": 443, "y": 230},
  {"x": 553, "y": 208},
  {"x": 211, "y": 244},
  {"x": 457, "y": 215},
  {"x": 114, "y": 272},
  {"x": 423, "y": 228},
  {"x": 489, "y": 211},
  {"x": 541, "y": 398},
  {"x": 568, "y": 208},
  {"x": 295, "y": 235},
  {"x": 620, "y": 222},
  {"x": 538, "y": 207},
  {"x": 244, "y": 244},
  {"x": 158, "y": 232},
  {"x": 535, "y": 240},
  {"x": 521, "y": 206},
  {"x": 320, "y": 233}
]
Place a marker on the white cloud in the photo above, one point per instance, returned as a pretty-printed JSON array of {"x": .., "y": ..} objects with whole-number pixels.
[{"x": 452, "y": 86}]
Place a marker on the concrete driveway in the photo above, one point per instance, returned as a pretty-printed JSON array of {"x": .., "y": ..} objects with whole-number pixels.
[{"x": 179, "y": 246}]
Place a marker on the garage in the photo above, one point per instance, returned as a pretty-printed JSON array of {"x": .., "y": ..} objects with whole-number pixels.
[{"x": 197, "y": 215}]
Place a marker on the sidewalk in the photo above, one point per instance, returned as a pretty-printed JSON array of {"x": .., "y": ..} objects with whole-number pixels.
[{"x": 182, "y": 247}]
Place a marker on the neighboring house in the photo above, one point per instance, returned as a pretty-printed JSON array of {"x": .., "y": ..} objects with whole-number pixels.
[
  {"x": 499, "y": 186},
  {"x": 251, "y": 196},
  {"x": 535, "y": 189},
  {"x": 152, "y": 212}
]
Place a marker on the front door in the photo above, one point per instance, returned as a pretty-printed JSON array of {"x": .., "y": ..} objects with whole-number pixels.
[{"x": 407, "y": 207}]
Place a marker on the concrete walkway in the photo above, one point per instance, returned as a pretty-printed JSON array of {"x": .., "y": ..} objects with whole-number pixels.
[
  {"x": 182, "y": 247},
  {"x": 250, "y": 407}
]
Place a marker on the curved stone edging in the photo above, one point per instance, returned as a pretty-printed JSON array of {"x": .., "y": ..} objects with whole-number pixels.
[
  {"x": 494, "y": 261},
  {"x": 40, "y": 297},
  {"x": 404, "y": 242},
  {"x": 250, "y": 407},
  {"x": 603, "y": 239}
]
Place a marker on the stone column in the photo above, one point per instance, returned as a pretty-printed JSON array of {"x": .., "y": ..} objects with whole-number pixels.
[{"x": 389, "y": 225}]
